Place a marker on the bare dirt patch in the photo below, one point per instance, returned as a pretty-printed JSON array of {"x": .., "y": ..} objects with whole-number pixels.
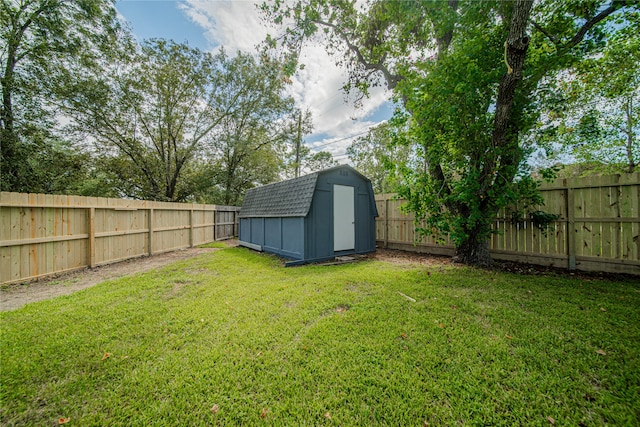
[
  {"x": 409, "y": 258},
  {"x": 400, "y": 257},
  {"x": 15, "y": 296}
]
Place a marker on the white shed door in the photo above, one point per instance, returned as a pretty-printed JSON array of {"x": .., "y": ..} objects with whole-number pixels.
[{"x": 344, "y": 235}]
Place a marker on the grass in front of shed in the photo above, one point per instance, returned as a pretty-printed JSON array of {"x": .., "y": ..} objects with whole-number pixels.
[
  {"x": 215, "y": 245},
  {"x": 233, "y": 338}
]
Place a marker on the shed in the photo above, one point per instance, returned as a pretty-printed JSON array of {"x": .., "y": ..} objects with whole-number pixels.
[{"x": 312, "y": 218}]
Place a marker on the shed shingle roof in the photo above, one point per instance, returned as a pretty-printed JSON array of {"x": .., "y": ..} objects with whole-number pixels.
[{"x": 290, "y": 198}]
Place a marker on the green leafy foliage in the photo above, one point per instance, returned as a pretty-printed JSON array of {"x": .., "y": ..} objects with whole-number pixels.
[
  {"x": 300, "y": 159},
  {"x": 319, "y": 160},
  {"x": 172, "y": 122},
  {"x": 470, "y": 78},
  {"x": 377, "y": 157},
  {"x": 144, "y": 116},
  {"x": 40, "y": 41},
  {"x": 245, "y": 149},
  {"x": 88, "y": 111},
  {"x": 596, "y": 113},
  {"x": 543, "y": 220}
]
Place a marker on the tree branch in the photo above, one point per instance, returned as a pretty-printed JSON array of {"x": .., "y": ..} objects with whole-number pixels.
[
  {"x": 615, "y": 5},
  {"x": 444, "y": 41},
  {"x": 577, "y": 38},
  {"x": 391, "y": 79},
  {"x": 548, "y": 35}
]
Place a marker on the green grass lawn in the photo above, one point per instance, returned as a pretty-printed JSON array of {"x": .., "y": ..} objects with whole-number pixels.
[{"x": 233, "y": 338}]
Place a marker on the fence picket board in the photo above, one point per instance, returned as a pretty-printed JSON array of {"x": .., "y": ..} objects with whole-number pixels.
[
  {"x": 583, "y": 232},
  {"x": 49, "y": 233},
  {"x": 16, "y": 251},
  {"x": 25, "y": 233},
  {"x": 598, "y": 199},
  {"x": 5, "y": 233},
  {"x": 38, "y": 252},
  {"x": 610, "y": 200}
]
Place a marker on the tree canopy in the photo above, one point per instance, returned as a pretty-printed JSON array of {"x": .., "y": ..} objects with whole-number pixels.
[
  {"x": 87, "y": 110},
  {"x": 246, "y": 149},
  {"x": 40, "y": 40},
  {"x": 595, "y": 113},
  {"x": 376, "y": 156},
  {"x": 479, "y": 86},
  {"x": 166, "y": 120},
  {"x": 468, "y": 77}
]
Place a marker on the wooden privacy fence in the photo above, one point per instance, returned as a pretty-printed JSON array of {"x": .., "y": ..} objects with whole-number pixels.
[
  {"x": 598, "y": 227},
  {"x": 45, "y": 234}
]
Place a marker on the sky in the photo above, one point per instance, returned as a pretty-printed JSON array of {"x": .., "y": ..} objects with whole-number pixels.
[{"x": 237, "y": 25}]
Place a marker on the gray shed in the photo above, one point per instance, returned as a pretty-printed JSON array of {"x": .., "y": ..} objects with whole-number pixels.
[{"x": 312, "y": 218}]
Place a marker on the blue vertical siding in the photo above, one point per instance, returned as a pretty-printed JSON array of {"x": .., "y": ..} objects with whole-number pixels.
[
  {"x": 320, "y": 225},
  {"x": 244, "y": 230},
  {"x": 293, "y": 238},
  {"x": 272, "y": 233},
  {"x": 257, "y": 231},
  {"x": 280, "y": 236}
]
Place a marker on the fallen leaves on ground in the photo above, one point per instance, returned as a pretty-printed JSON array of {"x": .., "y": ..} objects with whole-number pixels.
[
  {"x": 601, "y": 352},
  {"x": 327, "y": 415},
  {"x": 64, "y": 420},
  {"x": 263, "y": 413},
  {"x": 106, "y": 356},
  {"x": 215, "y": 408},
  {"x": 551, "y": 420}
]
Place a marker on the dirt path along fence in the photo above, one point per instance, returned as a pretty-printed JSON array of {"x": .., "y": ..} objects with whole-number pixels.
[
  {"x": 598, "y": 228},
  {"x": 46, "y": 234}
]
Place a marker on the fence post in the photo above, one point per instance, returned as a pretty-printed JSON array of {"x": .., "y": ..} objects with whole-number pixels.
[
  {"x": 215, "y": 223},
  {"x": 150, "y": 227},
  {"x": 571, "y": 232},
  {"x": 92, "y": 237},
  {"x": 236, "y": 222},
  {"x": 191, "y": 227},
  {"x": 386, "y": 223}
]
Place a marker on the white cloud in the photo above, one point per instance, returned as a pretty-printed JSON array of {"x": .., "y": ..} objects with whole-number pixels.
[{"x": 237, "y": 25}]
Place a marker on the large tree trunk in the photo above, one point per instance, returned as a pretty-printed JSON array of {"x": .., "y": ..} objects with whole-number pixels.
[
  {"x": 516, "y": 47},
  {"x": 631, "y": 163},
  {"x": 474, "y": 251},
  {"x": 8, "y": 139}
]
